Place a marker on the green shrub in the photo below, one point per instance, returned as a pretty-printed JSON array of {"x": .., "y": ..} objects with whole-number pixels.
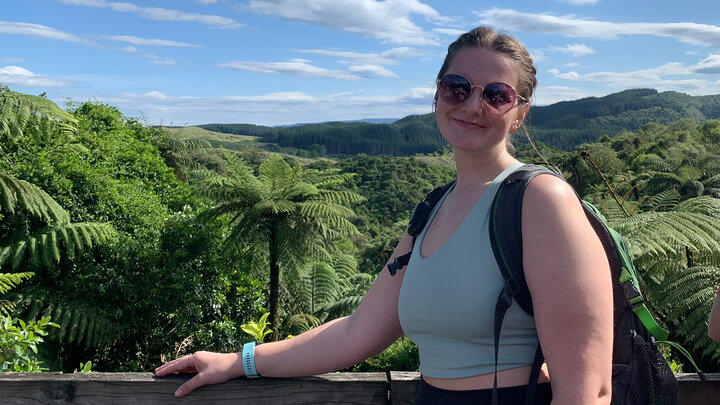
[
  {"x": 400, "y": 356},
  {"x": 17, "y": 339}
]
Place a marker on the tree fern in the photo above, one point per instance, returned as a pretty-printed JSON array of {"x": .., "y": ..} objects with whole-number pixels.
[
  {"x": 16, "y": 193},
  {"x": 79, "y": 324},
  {"x": 23, "y": 114},
  {"x": 321, "y": 291},
  {"x": 285, "y": 212},
  {"x": 688, "y": 295},
  {"x": 694, "y": 224},
  {"x": 43, "y": 247},
  {"x": 39, "y": 234},
  {"x": 7, "y": 282}
]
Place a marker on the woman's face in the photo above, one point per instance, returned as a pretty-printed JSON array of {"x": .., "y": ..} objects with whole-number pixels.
[{"x": 469, "y": 127}]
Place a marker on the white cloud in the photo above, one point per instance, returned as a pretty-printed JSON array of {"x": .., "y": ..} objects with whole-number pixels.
[
  {"x": 570, "y": 26},
  {"x": 16, "y": 75},
  {"x": 38, "y": 30},
  {"x": 571, "y": 64},
  {"x": 295, "y": 67},
  {"x": 276, "y": 108},
  {"x": 580, "y": 2},
  {"x": 711, "y": 64},
  {"x": 387, "y": 20},
  {"x": 301, "y": 67},
  {"x": 574, "y": 49},
  {"x": 156, "y": 95},
  {"x": 553, "y": 71},
  {"x": 662, "y": 78},
  {"x": 160, "y": 14},
  {"x": 130, "y": 49},
  {"x": 546, "y": 95},
  {"x": 389, "y": 57},
  {"x": 370, "y": 71},
  {"x": 151, "y": 42}
]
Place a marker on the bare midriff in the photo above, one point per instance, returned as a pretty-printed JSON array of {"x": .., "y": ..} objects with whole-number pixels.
[{"x": 506, "y": 378}]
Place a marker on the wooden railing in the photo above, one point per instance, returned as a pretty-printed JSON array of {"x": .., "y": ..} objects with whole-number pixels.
[{"x": 334, "y": 388}]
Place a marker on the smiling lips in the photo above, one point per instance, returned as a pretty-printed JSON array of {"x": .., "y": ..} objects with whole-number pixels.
[{"x": 467, "y": 124}]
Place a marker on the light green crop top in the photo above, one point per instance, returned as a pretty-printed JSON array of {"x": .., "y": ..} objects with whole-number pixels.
[{"x": 447, "y": 301}]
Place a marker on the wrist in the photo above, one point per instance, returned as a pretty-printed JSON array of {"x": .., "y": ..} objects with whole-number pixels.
[{"x": 248, "y": 360}]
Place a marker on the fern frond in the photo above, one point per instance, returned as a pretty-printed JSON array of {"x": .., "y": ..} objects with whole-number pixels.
[
  {"x": 79, "y": 323},
  {"x": 687, "y": 297},
  {"x": 44, "y": 245},
  {"x": 664, "y": 201},
  {"x": 16, "y": 193},
  {"x": 340, "y": 197},
  {"x": 661, "y": 233},
  {"x": 655, "y": 162}
]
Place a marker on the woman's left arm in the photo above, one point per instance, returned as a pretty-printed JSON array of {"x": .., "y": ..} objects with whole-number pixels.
[{"x": 568, "y": 274}]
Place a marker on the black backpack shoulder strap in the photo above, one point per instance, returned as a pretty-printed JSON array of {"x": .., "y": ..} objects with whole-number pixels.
[
  {"x": 506, "y": 240},
  {"x": 418, "y": 219},
  {"x": 506, "y": 231}
]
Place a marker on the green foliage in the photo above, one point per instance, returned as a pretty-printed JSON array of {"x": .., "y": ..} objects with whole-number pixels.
[
  {"x": 84, "y": 367},
  {"x": 687, "y": 295},
  {"x": 258, "y": 330},
  {"x": 400, "y": 356},
  {"x": 17, "y": 340},
  {"x": 318, "y": 292},
  {"x": 283, "y": 215},
  {"x": 8, "y": 281}
]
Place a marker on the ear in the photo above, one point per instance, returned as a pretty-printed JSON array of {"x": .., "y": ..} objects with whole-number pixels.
[{"x": 521, "y": 114}]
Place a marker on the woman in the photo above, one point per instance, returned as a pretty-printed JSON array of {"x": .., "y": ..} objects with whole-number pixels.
[{"x": 445, "y": 298}]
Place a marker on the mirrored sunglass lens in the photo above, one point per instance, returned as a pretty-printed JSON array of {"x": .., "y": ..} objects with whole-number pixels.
[
  {"x": 499, "y": 96},
  {"x": 455, "y": 89}
]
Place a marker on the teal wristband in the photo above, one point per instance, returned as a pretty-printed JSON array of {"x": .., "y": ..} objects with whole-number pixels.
[{"x": 248, "y": 360}]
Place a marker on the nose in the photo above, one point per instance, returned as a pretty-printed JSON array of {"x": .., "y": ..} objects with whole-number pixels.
[{"x": 474, "y": 103}]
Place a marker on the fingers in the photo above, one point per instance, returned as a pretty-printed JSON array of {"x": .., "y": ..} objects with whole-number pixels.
[
  {"x": 190, "y": 385},
  {"x": 181, "y": 365}
]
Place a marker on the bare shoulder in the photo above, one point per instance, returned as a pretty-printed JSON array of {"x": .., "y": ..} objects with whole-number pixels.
[
  {"x": 556, "y": 231},
  {"x": 547, "y": 193}
]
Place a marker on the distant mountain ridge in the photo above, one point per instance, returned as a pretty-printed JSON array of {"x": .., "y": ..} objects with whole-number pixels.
[
  {"x": 368, "y": 120},
  {"x": 564, "y": 125}
]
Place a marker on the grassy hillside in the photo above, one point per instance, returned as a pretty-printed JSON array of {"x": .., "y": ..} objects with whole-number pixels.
[{"x": 228, "y": 141}]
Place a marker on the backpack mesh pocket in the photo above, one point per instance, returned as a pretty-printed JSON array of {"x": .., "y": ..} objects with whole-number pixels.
[{"x": 652, "y": 382}]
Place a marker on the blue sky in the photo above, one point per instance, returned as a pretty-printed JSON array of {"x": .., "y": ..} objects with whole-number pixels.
[{"x": 276, "y": 62}]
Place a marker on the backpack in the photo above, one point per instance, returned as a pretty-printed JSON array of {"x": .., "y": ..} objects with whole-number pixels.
[{"x": 640, "y": 373}]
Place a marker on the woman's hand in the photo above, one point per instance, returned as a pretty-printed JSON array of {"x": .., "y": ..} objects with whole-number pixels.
[{"x": 211, "y": 368}]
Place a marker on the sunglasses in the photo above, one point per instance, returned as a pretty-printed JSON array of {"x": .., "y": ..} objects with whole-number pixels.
[{"x": 498, "y": 97}]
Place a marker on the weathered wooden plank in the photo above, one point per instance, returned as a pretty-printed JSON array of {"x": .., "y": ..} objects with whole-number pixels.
[
  {"x": 333, "y": 388},
  {"x": 403, "y": 385},
  {"x": 692, "y": 391},
  {"x": 144, "y": 388}
]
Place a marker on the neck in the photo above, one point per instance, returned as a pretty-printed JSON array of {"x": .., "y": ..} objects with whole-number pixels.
[{"x": 475, "y": 169}]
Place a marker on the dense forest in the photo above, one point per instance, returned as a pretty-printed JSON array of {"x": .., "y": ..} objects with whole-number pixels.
[
  {"x": 127, "y": 245},
  {"x": 564, "y": 125}
]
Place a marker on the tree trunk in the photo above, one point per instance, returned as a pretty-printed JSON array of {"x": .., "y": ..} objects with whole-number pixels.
[{"x": 274, "y": 287}]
